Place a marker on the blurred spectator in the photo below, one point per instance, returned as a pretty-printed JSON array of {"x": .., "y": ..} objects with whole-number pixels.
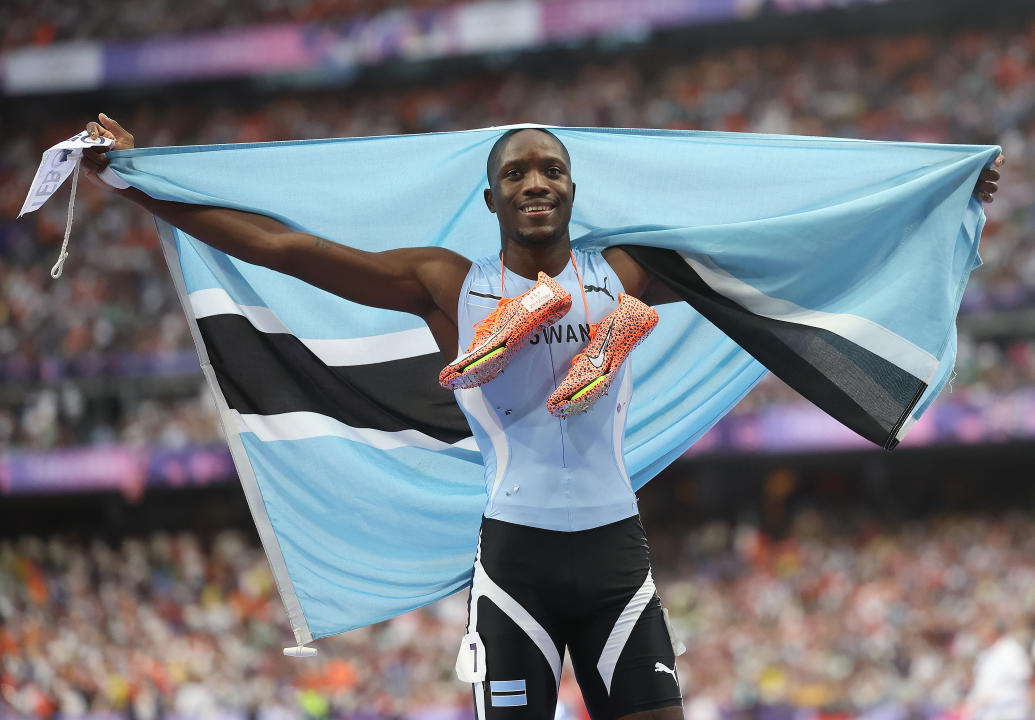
[
  {"x": 1002, "y": 675},
  {"x": 114, "y": 313},
  {"x": 41, "y": 23},
  {"x": 844, "y": 616}
]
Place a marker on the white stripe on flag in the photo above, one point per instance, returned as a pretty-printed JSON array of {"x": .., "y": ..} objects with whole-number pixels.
[
  {"x": 906, "y": 427},
  {"x": 335, "y": 352},
  {"x": 305, "y": 425},
  {"x": 268, "y": 537},
  {"x": 863, "y": 332}
]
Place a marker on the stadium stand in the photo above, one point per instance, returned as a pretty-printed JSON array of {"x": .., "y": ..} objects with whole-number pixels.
[
  {"x": 30, "y": 23},
  {"x": 825, "y": 614},
  {"x": 847, "y": 616},
  {"x": 114, "y": 314}
]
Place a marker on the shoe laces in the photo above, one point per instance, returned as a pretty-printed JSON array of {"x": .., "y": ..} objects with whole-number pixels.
[{"x": 484, "y": 328}]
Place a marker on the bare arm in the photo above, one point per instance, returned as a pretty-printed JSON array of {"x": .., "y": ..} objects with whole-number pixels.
[
  {"x": 422, "y": 281},
  {"x": 413, "y": 280}
]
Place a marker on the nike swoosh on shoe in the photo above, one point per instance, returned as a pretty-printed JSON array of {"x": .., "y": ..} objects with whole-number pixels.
[
  {"x": 485, "y": 342},
  {"x": 598, "y": 359}
]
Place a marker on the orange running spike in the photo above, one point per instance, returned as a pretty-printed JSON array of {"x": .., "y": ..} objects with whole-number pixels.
[
  {"x": 507, "y": 329},
  {"x": 610, "y": 343}
]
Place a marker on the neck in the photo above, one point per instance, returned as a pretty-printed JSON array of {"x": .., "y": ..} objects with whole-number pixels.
[{"x": 527, "y": 261}]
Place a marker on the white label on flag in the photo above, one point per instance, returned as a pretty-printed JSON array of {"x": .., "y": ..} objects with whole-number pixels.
[{"x": 57, "y": 164}]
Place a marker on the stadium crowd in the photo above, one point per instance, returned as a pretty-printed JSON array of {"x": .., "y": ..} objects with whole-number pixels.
[
  {"x": 114, "y": 313},
  {"x": 847, "y": 618},
  {"x": 38, "y": 24}
]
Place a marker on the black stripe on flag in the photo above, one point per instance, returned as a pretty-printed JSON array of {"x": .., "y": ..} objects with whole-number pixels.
[
  {"x": 272, "y": 373},
  {"x": 860, "y": 389}
]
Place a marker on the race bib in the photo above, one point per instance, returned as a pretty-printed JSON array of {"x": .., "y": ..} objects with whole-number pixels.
[
  {"x": 678, "y": 648},
  {"x": 470, "y": 661}
]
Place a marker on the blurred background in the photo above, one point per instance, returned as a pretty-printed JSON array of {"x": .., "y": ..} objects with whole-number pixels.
[{"x": 810, "y": 576}]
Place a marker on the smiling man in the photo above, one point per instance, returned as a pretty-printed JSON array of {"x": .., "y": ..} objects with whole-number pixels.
[{"x": 563, "y": 562}]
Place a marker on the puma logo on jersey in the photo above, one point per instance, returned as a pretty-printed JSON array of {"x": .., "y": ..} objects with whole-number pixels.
[
  {"x": 659, "y": 667},
  {"x": 596, "y": 288}
]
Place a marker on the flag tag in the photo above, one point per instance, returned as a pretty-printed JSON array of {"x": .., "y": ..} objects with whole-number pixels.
[{"x": 57, "y": 164}]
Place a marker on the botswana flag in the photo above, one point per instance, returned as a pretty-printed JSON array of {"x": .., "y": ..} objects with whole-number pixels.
[{"x": 837, "y": 264}]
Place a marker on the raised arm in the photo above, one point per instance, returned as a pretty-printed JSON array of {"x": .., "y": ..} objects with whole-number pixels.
[{"x": 422, "y": 281}]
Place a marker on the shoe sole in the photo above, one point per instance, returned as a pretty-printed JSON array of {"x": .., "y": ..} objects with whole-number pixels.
[
  {"x": 584, "y": 398},
  {"x": 483, "y": 369}
]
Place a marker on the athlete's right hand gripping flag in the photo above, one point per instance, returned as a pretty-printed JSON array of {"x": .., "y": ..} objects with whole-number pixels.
[{"x": 837, "y": 264}]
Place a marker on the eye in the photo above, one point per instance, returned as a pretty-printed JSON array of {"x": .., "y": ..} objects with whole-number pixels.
[{"x": 513, "y": 175}]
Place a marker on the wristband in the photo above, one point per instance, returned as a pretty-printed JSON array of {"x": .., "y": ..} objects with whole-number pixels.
[{"x": 109, "y": 178}]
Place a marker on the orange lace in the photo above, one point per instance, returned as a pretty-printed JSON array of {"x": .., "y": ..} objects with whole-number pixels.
[
  {"x": 484, "y": 328},
  {"x": 592, "y": 326}
]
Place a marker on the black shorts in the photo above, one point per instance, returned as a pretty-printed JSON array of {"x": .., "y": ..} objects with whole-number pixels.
[{"x": 536, "y": 592}]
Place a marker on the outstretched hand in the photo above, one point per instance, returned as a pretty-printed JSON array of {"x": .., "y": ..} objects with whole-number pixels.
[
  {"x": 988, "y": 181},
  {"x": 94, "y": 159}
]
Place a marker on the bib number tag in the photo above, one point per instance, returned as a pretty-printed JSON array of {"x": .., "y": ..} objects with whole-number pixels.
[
  {"x": 470, "y": 661},
  {"x": 678, "y": 648}
]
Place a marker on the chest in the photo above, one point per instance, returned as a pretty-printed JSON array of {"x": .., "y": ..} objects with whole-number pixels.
[{"x": 537, "y": 369}]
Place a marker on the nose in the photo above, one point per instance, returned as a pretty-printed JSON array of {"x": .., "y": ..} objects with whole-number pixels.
[{"x": 535, "y": 183}]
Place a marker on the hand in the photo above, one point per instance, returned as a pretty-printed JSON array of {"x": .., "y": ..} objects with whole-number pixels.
[
  {"x": 988, "y": 181},
  {"x": 94, "y": 159}
]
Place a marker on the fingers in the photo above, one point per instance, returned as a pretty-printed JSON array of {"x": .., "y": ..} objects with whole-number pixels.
[
  {"x": 985, "y": 189},
  {"x": 112, "y": 125},
  {"x": 988, "y": 181},
  {"x": 96, "y": 131},
  {"x": 94, "y": 159},
  {"x": 111, "y": 128},
  {"x": 108, "y": 122}
]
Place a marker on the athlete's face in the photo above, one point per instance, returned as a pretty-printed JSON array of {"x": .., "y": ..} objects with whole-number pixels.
[{"x": 531, "y": 191}]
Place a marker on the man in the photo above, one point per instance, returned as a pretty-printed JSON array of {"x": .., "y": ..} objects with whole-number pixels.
[
  {"x": 563, "y": 561},
  {"x": 1001, "y": 688}
]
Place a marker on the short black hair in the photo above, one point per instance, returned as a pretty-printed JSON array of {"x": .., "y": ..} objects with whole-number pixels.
[{"x": 492, "y": 164}]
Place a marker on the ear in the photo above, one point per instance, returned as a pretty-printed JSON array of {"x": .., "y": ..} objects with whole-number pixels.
[
  {"x": 573, "y": 192},
  {"x": 488, "y": 201}
]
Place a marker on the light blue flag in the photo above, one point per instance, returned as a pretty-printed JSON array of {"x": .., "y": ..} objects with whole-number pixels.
[{"x": 839, "y": 264}]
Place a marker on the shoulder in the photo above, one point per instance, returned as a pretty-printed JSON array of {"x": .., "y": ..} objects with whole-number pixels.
[
  {"x": 438, "y": 260},
  {"x": 632, "y": 275},
  {"x": 441, "y": 272}
]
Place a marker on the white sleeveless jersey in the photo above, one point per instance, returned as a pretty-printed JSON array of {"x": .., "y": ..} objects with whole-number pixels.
[{"x": 541, "y": 471}]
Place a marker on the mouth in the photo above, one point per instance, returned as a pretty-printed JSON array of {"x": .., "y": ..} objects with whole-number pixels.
[{"x": 537, "y": 208}]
